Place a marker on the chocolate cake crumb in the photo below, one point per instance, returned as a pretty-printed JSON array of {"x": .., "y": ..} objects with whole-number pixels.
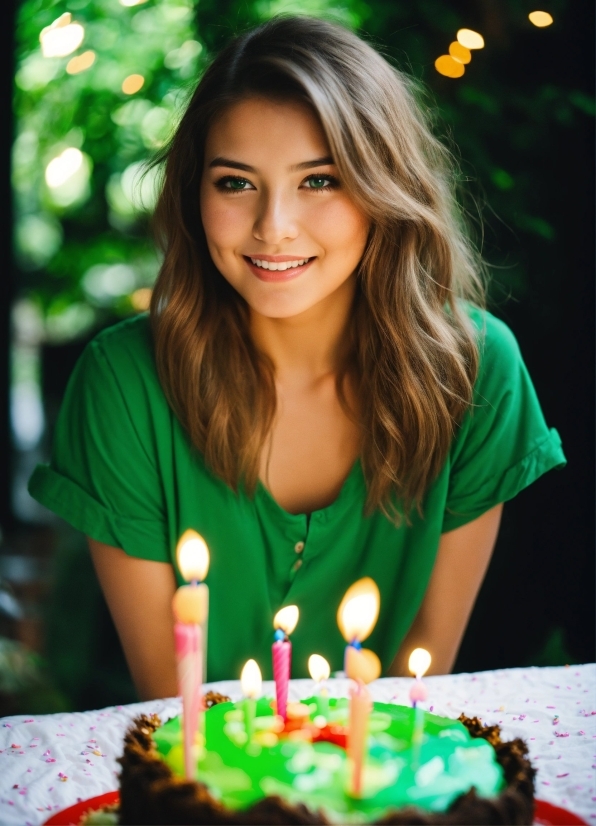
[{"x": 213, "y": 698}]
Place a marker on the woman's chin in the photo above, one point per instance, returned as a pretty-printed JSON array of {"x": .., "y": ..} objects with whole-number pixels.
[{"x": 280, "y": 307}]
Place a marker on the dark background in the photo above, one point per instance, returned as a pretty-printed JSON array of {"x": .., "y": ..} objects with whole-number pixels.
[{"x": 522, "y": 118}]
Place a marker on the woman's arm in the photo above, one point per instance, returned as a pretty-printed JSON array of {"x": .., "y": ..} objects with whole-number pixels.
[
  {"x": 139, "y": 594},
  {"x": 462, "y": 560}
]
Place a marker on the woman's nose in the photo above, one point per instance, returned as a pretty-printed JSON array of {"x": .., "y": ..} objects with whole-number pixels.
[{"x": 275, "y": 221}]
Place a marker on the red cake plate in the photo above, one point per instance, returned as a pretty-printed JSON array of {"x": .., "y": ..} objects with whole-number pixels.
[
  {"x": 545, "y": 814},
  {"x": 72, "y": 816}
]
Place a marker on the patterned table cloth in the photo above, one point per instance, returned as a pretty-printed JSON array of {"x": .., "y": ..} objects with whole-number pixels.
[{"x": 49, "y": 762}]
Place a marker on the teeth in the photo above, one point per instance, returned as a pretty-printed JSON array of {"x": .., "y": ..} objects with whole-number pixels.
[{"x": 278, "y": 265}]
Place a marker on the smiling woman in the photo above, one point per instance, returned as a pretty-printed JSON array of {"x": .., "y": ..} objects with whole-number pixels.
[
  {"x": 290, "y": 244},
  {"x": 319, "y": 392},
  {"x": 278, "y": 221}
]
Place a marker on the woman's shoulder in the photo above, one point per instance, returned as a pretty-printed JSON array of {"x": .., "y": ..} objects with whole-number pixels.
[
  {"x": 499, "y": 352},
  {"x": 126, "y": 340},
  {"x": 493, "y": 333},
  {"x": 120, "y": 357}
]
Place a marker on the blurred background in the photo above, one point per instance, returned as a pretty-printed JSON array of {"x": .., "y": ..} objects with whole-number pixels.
[{"x": 95, "y": 87}]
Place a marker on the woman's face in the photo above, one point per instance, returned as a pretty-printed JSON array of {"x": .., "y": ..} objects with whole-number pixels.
[{"x": 279, "y": 226}]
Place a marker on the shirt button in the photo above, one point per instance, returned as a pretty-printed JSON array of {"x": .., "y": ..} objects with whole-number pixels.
[
  {"x": 299, "y": 547},
  {"x": 296, "y": 565}
]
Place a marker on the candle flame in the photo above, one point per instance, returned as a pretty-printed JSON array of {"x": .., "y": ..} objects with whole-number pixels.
[
  {"x": 359, "y": 609},
  {"x": 192, "y": 556},
  {"x": 318, "y": 668},
  {"x": 286, "y": 619},
  {"x": 419, "y": 662},
  {"x": 251, "y": 680}
]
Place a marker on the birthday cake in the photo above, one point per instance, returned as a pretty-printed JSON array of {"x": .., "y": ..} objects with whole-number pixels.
[{"x": 419, "y": 768}]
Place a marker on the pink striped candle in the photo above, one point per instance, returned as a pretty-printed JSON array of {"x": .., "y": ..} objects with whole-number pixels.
[
  {"x": 284, "y": 623},
  {"x": 282, "y": 659},
  {"x": 189, "y": 658},
  {"x": 190, "y": 606}
]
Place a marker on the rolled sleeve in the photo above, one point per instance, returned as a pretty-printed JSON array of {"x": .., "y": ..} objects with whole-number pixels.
[
  {"x": 103, "y": 478},
  {"x": 503, "y": 444}
]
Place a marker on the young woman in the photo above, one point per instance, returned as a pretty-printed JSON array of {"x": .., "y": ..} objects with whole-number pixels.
[{"x": 317, "y": 390}]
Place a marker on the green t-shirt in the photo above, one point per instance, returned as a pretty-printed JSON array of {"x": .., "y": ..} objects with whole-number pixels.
[{"x": 123, "y": 472}]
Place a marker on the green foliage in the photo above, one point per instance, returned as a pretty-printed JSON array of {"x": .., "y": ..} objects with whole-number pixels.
[
  {"x": 554, "y": 650},
  {"x": 82, "y": 246},
  {"x": 25, "y": 684}
]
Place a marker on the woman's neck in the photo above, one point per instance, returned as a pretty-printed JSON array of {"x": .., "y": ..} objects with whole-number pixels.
[{"x": 311, "y": 345}]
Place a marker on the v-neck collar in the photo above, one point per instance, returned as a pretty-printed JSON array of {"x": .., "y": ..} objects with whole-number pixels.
[{"x": 353, "y": 484}]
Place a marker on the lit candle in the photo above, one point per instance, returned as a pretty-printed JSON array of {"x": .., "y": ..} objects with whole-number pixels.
[
  {"x": 360, "y": 708},
  {"x": 319, "y": 670},
  {"x": 284, "y": 623},
  {"x": 356, "y": 617},
  {"x": 252, "y": 685},
  {"x": 190, "y": 607},
  {"x": 418, "y": 664}
]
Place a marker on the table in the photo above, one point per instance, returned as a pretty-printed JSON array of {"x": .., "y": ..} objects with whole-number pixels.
[{"x": 49, "y": 762}]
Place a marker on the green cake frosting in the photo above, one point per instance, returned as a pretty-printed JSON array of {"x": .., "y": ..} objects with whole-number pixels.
[{"x": 447, "y": 763}]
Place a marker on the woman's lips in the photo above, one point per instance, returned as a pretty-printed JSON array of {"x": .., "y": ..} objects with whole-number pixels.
[{"x": 277, "y": 275}]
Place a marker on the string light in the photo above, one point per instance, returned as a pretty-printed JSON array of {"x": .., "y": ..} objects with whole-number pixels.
[
  {"x": 447, "y": 66},
  {"x": 541, "y": 18},
  {"x": 470, "y": 39},
  {"x": 459, "y": 52},
  {"x": 61, "y": 38},
  {"x": 132, "y": 84},
  {"x": 80, "y": 63}
]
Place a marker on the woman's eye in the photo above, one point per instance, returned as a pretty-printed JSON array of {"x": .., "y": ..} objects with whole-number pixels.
[
  {"x": 231, "y": 183},
  {"x": 321, "y": 182}
]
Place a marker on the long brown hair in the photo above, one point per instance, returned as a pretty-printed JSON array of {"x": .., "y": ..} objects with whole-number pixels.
[{"x": 413, "y": 357}]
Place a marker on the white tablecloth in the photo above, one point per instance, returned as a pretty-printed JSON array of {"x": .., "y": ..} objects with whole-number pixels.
[{"x": 48, "y": 763}]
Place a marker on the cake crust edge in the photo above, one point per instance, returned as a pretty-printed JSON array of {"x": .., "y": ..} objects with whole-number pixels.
[{"x": 151, "y": 794}]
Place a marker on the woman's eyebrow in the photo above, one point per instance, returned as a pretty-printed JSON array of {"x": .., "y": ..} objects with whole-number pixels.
[
  {"x": 219, "y": 161},
  {"x": 327, "y": 161}
]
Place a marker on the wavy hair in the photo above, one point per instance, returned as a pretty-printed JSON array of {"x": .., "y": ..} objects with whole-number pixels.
[{"x": 413, "y": 356}]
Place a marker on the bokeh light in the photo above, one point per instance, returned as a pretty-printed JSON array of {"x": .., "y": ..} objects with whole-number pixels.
[
  {"x": 103, "y": 283},
  {"x": 470, "y": 39},
  {"x": 141, "y": 299},
  {"x": 459, "y": 52},
  {"x": 132, "y": 2},
  {"x": 61, "y": 38},
  {"x": 540, "y": 18},
  {"x": 80, "y": 63},
  {"x": 447, "y": 66},
  {"x": 63, "y": 167},
  {"x": 132, "y": 84}
]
